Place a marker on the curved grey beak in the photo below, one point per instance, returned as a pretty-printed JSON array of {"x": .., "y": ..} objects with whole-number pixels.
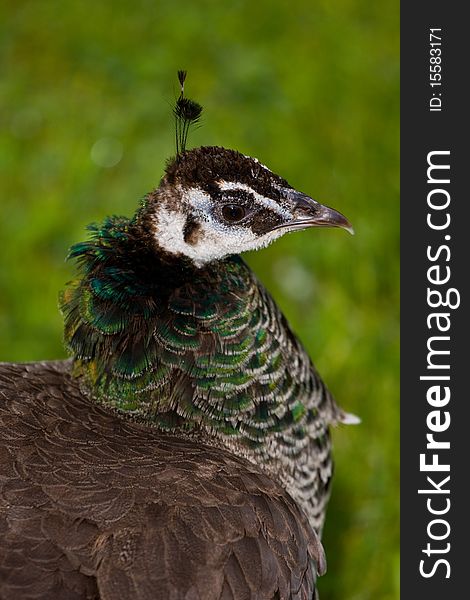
[{"x": 307, "y": 212}]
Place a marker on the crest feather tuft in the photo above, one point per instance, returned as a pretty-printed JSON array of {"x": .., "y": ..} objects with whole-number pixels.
[{"x": 187, "y": 112}]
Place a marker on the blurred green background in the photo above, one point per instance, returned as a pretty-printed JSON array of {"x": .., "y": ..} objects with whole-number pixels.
[{"x": 309, "y": 87}]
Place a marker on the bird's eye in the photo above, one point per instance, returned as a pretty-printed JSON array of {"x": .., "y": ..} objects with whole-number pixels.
[{"x": 233, "y": 212}]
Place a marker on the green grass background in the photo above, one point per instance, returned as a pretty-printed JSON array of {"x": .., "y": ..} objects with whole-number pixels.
[{"x": 310, "y": 87}]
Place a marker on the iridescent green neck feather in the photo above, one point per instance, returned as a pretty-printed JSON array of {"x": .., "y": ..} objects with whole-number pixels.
[{"x": 181, "y": 347}]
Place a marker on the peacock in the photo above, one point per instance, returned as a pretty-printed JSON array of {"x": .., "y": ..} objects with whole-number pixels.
[{"x": 183, "y": 450}]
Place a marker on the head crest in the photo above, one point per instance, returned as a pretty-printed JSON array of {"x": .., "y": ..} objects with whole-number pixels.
[{"x": 187, "y": 112}]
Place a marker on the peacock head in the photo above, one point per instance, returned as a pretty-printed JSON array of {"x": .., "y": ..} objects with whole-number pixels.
[{"x": 213, "y": 202}]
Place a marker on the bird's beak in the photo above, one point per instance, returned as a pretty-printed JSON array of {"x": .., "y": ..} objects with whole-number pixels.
[{"x": 307, "y": 212}]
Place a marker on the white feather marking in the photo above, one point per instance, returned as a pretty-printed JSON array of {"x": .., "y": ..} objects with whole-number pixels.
[
  {"x": 258, "y": 162},
  {"x": 349, "y": 419},
  {"x": 263, "y": 200}
]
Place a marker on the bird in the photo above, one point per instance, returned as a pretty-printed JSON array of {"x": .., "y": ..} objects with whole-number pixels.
[{"x": 183, "y": 450}]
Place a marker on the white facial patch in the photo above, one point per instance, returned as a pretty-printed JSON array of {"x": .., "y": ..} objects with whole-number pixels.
[{"x": 214, "y": 239}]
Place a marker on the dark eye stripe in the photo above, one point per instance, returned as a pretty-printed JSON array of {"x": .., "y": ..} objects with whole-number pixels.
[{"x": 258, "y": 217}]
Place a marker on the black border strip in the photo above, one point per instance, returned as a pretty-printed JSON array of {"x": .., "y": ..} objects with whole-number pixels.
[{"x": 422, "y": 411}]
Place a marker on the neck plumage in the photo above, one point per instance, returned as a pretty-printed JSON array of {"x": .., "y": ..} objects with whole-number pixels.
[{"x": 177, "y": 346}]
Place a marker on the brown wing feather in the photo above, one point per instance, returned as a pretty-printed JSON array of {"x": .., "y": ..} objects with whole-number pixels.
[{"x": 94, "y": 506}]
